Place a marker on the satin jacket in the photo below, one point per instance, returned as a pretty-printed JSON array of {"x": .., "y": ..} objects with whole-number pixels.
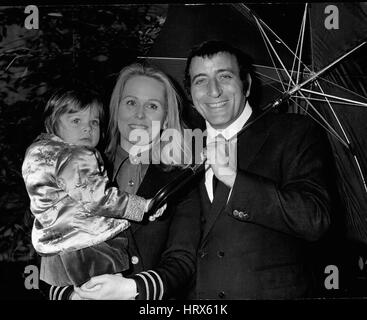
[{"x": 69, "y": 196}]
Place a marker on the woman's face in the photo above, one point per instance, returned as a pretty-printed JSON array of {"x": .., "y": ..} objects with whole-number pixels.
[{"x": 142, "y": 105}]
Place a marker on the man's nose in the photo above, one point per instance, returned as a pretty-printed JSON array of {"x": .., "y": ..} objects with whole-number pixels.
[{"x": 214, "y": 88}]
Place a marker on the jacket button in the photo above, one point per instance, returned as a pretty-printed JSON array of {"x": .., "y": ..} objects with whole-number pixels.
[
  {"x": 220, "y": 254},
  {"x": 236, "y": 213},
  {"x": 202, "y": 254},
  {"x": 131, "y": 183},
  {"x": 243, "y": 215},
  {"x": 221, "y": 294},
  {"x": 134, "y": 260}
]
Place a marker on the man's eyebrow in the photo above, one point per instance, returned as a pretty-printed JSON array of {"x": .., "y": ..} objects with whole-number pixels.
[
  {"x": 217, "y": 71},
  {"x": 198, "y": 75},
  {"x": 225, "y": 70}
]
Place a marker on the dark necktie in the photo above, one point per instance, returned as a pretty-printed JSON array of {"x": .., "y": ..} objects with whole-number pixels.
[{"x": 215, "y": 183}]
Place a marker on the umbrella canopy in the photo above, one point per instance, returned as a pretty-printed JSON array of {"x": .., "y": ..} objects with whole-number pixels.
[
  {"x": 290, "y": 44},
  {"x": 189, "y": 25},
  {"x": 348, "y": 116}
]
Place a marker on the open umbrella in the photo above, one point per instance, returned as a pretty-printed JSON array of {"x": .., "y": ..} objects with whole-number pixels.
[{"x": 311, "y": 56}]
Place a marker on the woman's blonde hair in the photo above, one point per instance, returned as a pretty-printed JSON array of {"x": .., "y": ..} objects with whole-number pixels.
[{"x": 181, "y": 155}]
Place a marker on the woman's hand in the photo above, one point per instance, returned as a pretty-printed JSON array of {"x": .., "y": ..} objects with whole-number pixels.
[{"x": 108, "y": 287}]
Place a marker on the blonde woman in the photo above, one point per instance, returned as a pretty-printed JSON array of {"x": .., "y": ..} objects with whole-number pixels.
[{"x": 162, "y": 253}]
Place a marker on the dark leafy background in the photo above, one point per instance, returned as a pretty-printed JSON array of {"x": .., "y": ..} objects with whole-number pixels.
[{"x": 85, "y": 45}]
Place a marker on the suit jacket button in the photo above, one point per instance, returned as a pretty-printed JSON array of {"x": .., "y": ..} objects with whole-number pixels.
[
  {"x": 134, "y": 260},
  {"x": 243, "y": 215},
  {"x": 220, "y": 254},
  {"x": 202, "y": 254},
  {"x": 235, "y": 213},
  {"x": 221, "y": 294}
]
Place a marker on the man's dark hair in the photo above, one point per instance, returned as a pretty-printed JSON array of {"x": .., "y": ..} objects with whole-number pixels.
[{"x": 213, "y": 47}]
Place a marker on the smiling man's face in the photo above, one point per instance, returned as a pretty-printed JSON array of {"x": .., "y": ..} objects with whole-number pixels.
[{"x": 216, "y": 88}]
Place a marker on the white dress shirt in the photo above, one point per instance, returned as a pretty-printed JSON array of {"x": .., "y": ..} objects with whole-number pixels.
[{"x": 229, "y": 133}]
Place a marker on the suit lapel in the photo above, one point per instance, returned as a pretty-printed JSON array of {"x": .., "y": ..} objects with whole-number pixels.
[
  {"x": 219, "y": 202},
  {"x": 249, "y": 144}
]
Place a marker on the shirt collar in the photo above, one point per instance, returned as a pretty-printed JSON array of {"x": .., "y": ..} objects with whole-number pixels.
[
  {"x": 233, "y": 128},
  {"x": 122, "y": 155}
]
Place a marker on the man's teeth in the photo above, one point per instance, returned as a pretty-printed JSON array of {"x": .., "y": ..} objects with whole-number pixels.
[{"x": 218, "y": 104}]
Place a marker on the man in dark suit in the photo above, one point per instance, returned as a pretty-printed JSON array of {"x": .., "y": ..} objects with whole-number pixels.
[{"x": 270, "y": 201}]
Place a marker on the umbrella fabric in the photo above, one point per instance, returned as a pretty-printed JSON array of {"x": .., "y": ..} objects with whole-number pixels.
[{"x": 346, "y": 80}]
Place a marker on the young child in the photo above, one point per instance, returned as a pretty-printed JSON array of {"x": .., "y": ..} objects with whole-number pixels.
[{"x": 79, "y": 219}]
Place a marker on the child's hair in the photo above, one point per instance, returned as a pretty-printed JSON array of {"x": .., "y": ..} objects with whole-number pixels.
[{"x": 70, "y": 101}]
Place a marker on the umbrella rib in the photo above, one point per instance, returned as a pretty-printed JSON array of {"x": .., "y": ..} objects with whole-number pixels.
[
  {"x": 273, "y": 79},
  {"x": 323, "y": 94},
  {"x": 333, "y": 112},
  {"x": 299, "y": 47},
  {"x": 346, "y": 137},
  {"x": 320, "y": 78},
  {"x": 272, "y": 59},
  {"x": 295, "y": 56},
  {"x": 341, "y": 87},
  {"x": 274, "y": 51},
  {"x": 319, "y": 122},
  {"x": 302, "y": 39},
  {"x": 331, "y": 101},
  {"x": 331, "y": 129},
  {"x": 342, "y": 100},
  {"x": 271, "y": 31},
  {"x": 360, "y": 172}
]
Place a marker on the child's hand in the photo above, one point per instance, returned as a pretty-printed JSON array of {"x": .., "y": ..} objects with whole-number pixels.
[{"x": 158, "y": 213}]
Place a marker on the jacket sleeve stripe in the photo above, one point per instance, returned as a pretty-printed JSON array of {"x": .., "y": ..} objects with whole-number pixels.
[
  {"x": 54, "y": 296},
  {"x": 50, "y": 292},
  {"x": 146, "y": 284},
  {"x": 161, "y": 291},
  {"x": 61, "y": 293},
  {"x": 154, "y": 297}
]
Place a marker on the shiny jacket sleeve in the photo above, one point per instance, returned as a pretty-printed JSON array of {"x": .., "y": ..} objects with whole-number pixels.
[
  {"x": 81, "y": 174},
  {"x": 297, "y": 204}
]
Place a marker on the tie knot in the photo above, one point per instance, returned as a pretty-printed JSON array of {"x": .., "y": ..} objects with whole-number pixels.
[{"x": 220, "y": 137}]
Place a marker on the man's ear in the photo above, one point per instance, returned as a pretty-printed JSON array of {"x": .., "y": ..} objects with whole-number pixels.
[{"x": 249, "y": 82}]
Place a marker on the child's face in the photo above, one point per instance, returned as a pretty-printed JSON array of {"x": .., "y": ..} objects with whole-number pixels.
[{"x": 80, "y": 128}]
